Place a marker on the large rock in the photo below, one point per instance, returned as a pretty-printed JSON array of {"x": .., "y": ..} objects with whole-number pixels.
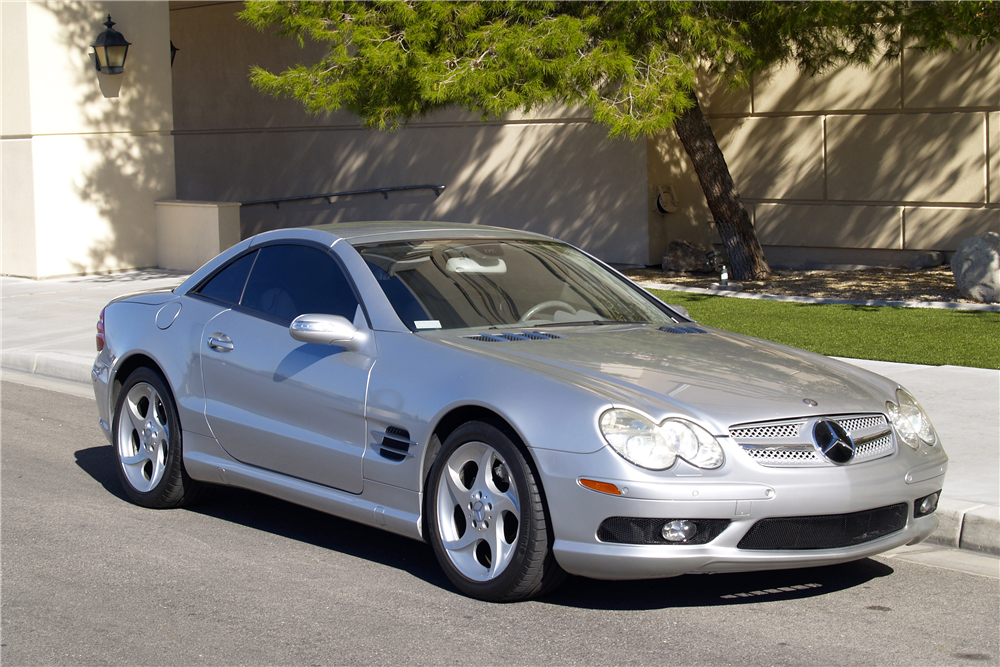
[
  {"x": 976, "y": 265},
  {"x": 687, "y": 256},
  {"x": 926, "y": 260}
]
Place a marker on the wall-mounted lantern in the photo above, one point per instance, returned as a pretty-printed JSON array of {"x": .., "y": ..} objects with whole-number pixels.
[
  {"x": 110, "y": 49},
  {"x": 666, "y": 199},
  {"x": 173, "y": 52}
]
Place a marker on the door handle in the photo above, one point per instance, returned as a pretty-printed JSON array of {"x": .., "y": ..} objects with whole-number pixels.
[{"x": 220, "y": 342}]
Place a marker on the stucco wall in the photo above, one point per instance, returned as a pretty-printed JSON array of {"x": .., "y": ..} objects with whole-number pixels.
[
  {"x": 858, "y": 166},
  {"x": 553, "y": 172},
  {"x": 81, "y": 171}
]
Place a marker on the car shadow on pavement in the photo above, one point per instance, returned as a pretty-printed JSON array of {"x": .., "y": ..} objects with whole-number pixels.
[
  {"x": 278, "y": 517},
  {"x": 99, "y": 463},
  {"x": 713, "y": 590},
  {"x": 294, "y": 522}
]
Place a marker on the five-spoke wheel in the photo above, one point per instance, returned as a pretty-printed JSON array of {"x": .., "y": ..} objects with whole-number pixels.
[
  {"x": 143, "y": 437},
  {"x": 487, "y": 518},
  {"x": 477, "y": 511},
  {"x": 147, "y": 442}
]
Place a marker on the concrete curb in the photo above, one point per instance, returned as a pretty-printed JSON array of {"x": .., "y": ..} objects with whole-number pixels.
[
  {"x": 72, "y": 367},
  {"x": 972, "y": 526},
  {"x": 947, "y": 305}
]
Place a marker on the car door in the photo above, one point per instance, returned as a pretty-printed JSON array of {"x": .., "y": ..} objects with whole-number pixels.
[{"x": 279, "y": 404}]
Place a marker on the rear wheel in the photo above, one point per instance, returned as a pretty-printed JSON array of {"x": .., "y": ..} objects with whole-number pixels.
[
  {"x": 486, "y": 517},
  {"x": 147, "y": 440}
]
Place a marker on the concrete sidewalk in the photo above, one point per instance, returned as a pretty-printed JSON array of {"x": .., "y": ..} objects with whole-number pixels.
[{"x": 49, "y": 329}]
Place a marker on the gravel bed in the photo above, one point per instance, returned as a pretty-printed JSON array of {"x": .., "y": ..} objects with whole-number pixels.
[{"x": 877, "y": 284}]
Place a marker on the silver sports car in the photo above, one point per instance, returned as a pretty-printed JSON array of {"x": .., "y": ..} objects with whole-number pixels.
[{"x": 511, "y": 400}]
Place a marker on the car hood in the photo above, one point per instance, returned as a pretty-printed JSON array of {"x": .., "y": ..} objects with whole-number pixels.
[{"x": 715, "y": 377}]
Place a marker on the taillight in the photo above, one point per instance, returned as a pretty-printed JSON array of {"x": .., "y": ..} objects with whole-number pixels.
[{"x": 100, "y": 331}]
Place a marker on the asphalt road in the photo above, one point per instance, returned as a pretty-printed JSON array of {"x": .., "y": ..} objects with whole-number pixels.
[{"x": 90, "y": 579}]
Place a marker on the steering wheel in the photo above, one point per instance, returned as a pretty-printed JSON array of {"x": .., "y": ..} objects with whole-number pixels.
[{"x": 546, "y": 305}]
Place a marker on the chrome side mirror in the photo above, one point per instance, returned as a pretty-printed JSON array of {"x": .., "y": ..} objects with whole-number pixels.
[
  {"x": 680, "y": 310},
  {"x": 327, "y": 330}
]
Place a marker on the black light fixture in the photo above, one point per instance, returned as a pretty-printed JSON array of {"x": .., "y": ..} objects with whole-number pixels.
[
  {"x": 110, "y": 49},
  {"x": 173, "y": 52}
]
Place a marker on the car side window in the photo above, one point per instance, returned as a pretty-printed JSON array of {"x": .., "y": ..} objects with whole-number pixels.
[
  {"x": 291, "y": 280},
  {"x": 227, "y": 285}
]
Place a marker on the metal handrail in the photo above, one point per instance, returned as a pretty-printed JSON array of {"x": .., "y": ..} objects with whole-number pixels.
[{"x": 438, "y": 189}]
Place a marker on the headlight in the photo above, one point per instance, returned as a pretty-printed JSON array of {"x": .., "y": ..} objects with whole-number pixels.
[
  {"x": 910, "y": 421},
  {"x": 657, "y": 447}
]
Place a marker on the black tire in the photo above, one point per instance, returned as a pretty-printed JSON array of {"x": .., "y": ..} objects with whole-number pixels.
[
  {"x": 488, "y": 550},
  {"x": 146, "y": 437}
]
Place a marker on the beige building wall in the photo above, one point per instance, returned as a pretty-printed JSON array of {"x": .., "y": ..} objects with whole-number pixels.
[
  {"x": 81, "y": 171},
  {"x": 856, "y": 167},
  {"x": 552, "y": 172},
  {"x": 859, "y": 166}
]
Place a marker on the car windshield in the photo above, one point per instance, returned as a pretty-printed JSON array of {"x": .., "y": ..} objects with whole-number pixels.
[{"x": 457, "y": 284}]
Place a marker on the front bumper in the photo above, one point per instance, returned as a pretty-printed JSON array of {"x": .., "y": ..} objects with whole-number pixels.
[{"x": 577, "y": 512}]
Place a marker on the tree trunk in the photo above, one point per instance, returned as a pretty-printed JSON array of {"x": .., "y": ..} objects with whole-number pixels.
[{"x": 731, "y": 219}]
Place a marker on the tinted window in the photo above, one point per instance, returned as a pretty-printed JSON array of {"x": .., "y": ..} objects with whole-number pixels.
[
  {"x": 227, "y": 284},
  {"x": 291, "y": 280}
]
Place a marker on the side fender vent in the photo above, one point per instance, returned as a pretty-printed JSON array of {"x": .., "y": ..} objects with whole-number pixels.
[
  {"x": 394, "y": 443},
  {"x": 513, "y": 337},
  {"x": 683, "y": 330}
]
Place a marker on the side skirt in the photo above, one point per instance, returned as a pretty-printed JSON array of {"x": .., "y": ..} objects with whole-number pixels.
[{"x": 379, "y": 505}]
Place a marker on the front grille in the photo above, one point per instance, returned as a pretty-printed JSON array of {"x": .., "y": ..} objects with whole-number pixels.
[
  {"x": 631, "y": 530},
  {"x": 781, "y": 456},
  {"x": 859, "y": 423},
  {"x": 832, "y": 531},
  {"x": 875, "y": 449},
  {"x": 768, "y": 431},
  {"x": 790, "y": 444}
]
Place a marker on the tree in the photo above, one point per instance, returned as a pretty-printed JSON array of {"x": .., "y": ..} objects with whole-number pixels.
[{"x": 633, "y": 64}]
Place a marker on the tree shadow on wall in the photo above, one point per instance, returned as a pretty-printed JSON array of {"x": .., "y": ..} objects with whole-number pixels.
[
  {"x": 873, "y": 156},
  {"x": 126, "y": 140},
  {"x": 555, "y": 172},
  {"x": 521, "y": 177},
  {"x": 878, "y": 154}
]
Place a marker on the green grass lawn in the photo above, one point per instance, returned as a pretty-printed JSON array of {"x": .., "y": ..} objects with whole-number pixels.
[{"x": 930, "y": 336}]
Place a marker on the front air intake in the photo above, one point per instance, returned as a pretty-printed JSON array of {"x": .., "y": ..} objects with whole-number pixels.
[{"x": 832, "y": 531}]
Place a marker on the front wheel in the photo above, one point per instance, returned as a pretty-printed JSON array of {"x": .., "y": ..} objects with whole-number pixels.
[
  {"x": 486, "y": 517},
  {"x": 147, "y": 441}
]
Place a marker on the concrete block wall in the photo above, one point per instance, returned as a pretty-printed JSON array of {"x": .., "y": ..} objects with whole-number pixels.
[{"x": 856, "y": 166}]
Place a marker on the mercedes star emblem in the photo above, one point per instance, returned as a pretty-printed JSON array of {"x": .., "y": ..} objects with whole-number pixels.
[{"x": 833, "y": 441}]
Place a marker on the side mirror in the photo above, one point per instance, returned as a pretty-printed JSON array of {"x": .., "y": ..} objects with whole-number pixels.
[
  {"x": 680, "y": 310},
  {"x": 327, "y": 330}
]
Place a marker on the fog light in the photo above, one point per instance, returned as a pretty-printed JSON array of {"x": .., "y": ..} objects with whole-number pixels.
[
  {"x": 680, "y": 530},
  {"x": 926, "y": 505}
]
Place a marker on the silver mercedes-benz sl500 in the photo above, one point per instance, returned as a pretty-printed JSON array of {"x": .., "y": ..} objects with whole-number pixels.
[{"x": 511, "y": 400}]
